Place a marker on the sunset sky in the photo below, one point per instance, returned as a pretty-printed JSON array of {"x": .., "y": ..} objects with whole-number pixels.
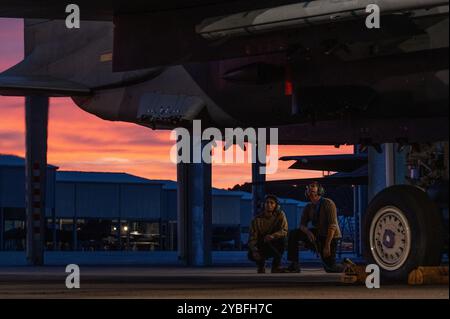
[{"x": 81, "y": 141}]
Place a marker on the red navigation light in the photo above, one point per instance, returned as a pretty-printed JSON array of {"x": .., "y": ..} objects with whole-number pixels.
[{"x": 288, "y": 86}]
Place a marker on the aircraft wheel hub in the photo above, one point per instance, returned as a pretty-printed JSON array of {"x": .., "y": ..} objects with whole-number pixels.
[{"x": 390, "y": 238}]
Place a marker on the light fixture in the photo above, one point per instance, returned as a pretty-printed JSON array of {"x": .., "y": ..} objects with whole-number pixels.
[{"x": 125, "y": 228}]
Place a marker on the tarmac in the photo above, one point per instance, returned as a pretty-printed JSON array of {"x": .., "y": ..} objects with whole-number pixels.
[{"x": 174, "y": 282}]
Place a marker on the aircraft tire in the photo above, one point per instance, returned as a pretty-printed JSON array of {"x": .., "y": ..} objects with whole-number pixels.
[{"x": 403, "y": 229}]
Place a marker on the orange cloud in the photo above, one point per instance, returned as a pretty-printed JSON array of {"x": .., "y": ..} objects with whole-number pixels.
[{"x": 81, "y": 141}]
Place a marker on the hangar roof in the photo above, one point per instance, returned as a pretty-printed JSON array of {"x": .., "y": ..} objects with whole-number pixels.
[
  {"x": 102, "y": 177},
  {"x": 16, "y": 161}
]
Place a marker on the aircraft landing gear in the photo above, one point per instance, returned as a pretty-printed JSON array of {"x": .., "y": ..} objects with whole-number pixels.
[{"x": 403, "y": 229}]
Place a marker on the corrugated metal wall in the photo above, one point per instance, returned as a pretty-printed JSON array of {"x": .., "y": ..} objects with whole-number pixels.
[
  {"x": 292, "y": 215},
  {"x": 169, "y": 204},
  {"x": 12, "y": 187},
  {"x": 246, "y": 212},
  {"x": 139, "y": 202},
  {"x": 97, "y": 200},
  {"x": 226, "y": 210},
  {"x": 109, "y": 201},
  {"x": 65, "y": 200},
  {"x": 127, "y": 201}
]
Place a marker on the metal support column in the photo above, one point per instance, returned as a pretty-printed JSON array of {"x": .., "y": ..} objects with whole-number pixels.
[
  {"x": 36, "y": 121},
  {"x": 363, "y": 195},
  {"x": 74, "y": 221},
  {"x": 194, "y": 212},
  {"x": 258, "y": 182},
  {"x": 357, "y": 212},
  {"x": 389, "y": 153},
  {"x": 54, "y": 229},
  {"x": 119, "y": 221},
  {"x": 119, "y": 234},
  {"x": 2, "y": 228},
  {"x": 360, "y": 205},
  {"x": 357, "y": 215}
]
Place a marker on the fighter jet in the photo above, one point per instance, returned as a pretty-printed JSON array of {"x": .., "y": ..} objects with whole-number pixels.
[{"x": 313, "y": 69}]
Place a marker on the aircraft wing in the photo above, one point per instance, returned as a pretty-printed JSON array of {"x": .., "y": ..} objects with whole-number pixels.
[
  {"x": 105, "y": 10},
  {"x": 159, "y": 33},
  {"x": 302, "y": 14},
  {"x": 18, "y": 85},
  {"x": 200, "y": 35},
  {"x": 102, "y": 10}
]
